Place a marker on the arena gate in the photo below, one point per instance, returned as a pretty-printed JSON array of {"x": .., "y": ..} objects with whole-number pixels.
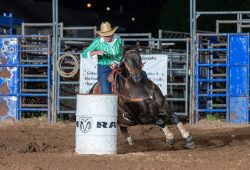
[
  {"x": 222, "y": 76},
  {"x": 25, "y": 76}
]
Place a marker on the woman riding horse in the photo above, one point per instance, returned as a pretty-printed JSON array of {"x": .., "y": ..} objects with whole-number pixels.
[{"x": 141, "y": 101}]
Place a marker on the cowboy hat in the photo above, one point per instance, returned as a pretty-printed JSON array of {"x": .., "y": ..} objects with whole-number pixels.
[{"x": 106, "y": 29}]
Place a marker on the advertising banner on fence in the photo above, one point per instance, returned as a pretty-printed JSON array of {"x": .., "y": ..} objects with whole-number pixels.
[{"x": 155, "y": 67}]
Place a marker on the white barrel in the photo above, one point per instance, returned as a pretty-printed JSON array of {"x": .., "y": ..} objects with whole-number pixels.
[{"x": 96, "y": 124}]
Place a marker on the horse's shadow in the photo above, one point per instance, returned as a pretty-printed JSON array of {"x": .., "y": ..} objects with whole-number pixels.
[
  {"x": 143, "y": 145},
  {"x": 231, "y": 138},
  {"x": 203, "y": 142}
]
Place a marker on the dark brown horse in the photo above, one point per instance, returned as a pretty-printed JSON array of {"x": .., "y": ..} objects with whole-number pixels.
[{"x": 141, "y": 101}]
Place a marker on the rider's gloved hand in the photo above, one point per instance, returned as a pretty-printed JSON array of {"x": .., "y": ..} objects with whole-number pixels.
[{"x": 115, "y": 64}]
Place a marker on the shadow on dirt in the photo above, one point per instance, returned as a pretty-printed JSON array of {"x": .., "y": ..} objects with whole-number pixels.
[{"x": 204, "y": 140}]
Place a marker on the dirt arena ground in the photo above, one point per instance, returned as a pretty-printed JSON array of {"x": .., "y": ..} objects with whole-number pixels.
[{"x": 35, "y": 144}]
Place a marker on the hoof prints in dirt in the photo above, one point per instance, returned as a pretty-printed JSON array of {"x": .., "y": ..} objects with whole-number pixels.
[
  {"x": 2, "y": 145},
  {"x": 35, "y": 147},
  {"x": 2, "y": 148}
]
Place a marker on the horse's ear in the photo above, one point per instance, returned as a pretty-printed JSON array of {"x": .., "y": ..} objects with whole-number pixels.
[{"x": 137, "y": 45}]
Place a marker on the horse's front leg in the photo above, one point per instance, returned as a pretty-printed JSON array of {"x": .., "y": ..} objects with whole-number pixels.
[
  {"x": 168, "y": 134},
  {"x": 185, "y": 134},
  {"x": 124, "y": 122},
  {"x": 125, "y": 133}
]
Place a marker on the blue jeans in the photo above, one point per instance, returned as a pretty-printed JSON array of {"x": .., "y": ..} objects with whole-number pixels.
[{"x": 103, "y": 73}]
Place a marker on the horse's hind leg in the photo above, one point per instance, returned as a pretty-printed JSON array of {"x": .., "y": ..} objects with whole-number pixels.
[
  {"x": 185, "y": 134},
  {"x": 168, "y": 134},
  {"x": 124, "y": 131}
]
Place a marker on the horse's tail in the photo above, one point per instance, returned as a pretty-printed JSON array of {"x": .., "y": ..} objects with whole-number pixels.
[
  {"x": 168, "y": 102},
  {"x": 168, "y": 96}
]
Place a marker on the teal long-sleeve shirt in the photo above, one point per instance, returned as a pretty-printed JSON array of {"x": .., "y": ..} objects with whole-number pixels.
[{"x": 113, "y": 48}]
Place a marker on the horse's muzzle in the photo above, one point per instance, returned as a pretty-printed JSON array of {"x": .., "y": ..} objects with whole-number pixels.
[{"x": 136, "y": 77}]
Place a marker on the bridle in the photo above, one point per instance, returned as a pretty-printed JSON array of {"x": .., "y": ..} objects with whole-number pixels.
[
  {"x": 130, "y": 99},
  {"x": 126, "y": 65},
  {"x": 125, "y": 62},
  {"x": 124, "y": 59}
]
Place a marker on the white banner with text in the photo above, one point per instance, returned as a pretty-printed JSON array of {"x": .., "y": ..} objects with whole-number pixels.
[{"x": 155, "y": 67}]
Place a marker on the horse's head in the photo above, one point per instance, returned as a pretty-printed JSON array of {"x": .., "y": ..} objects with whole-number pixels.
[{"x": 133, "y": 64}]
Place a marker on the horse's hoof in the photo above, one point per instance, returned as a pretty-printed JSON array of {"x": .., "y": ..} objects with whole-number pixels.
[
  {"x": 130, "y": 141},
  {"x": 170, "y": 142},
  {"x": 190, "y": 145},
  {"x": 189, "y": 142}
]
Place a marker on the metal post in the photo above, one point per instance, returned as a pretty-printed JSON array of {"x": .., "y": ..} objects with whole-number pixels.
[
  {"x": 50, "y": 112},
  {"x": 186, "y": 78},
  {"x": 160, "y": 36},
  {"x": 95, "y": 31},
  {"x": 217, "y": 26},
  {"x": 192, "y": 58},
  {"x": 240, "y": 29},
  {"x": 55, "y": 54},
  {"x": 191, "y": 55},
  {"x": 23, "y": 33},
  {"x": 197, "y": 87},
  {"x": 238, "y": 24}
]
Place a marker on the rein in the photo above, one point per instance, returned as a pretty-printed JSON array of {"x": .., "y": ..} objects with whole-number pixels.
[
  {"x": 130, "y": 99},
  {"x": 124, "y": 78}
]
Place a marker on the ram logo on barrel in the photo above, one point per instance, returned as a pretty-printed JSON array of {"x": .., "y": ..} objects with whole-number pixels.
[{"x": 85, "y": 124}]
